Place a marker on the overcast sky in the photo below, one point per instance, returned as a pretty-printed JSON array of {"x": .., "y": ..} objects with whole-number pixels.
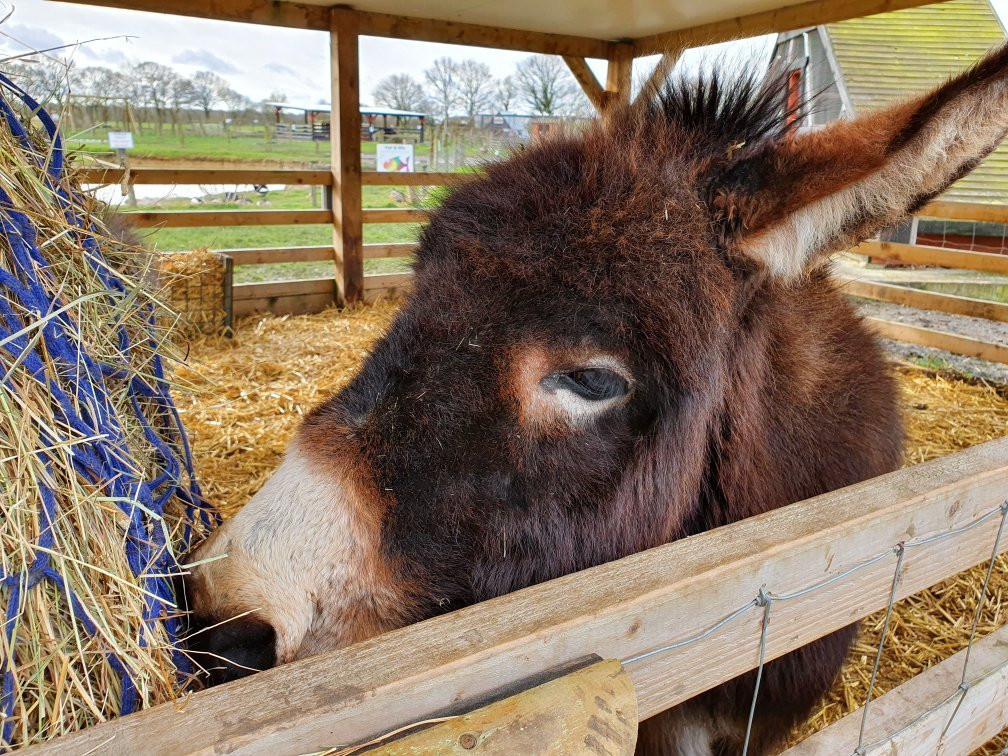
[{"x": 256, "y": 60}]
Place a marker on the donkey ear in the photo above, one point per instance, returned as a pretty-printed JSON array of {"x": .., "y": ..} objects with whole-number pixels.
[{"x": 790, "y": 202}]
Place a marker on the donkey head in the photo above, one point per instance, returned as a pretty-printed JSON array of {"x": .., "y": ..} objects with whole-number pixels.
[{"x": 552, "y": 394}]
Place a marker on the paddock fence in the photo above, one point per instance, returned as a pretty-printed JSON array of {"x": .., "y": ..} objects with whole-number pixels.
[
  {"x": 679, "y": 619},
  {"x": 284, "y": 297}
]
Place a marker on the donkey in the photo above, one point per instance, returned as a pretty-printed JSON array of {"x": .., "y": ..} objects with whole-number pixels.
[{"x": 616, "y": 339}]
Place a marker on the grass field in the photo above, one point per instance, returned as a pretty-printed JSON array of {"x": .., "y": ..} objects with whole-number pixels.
[
  {"x": 250, "y": 146},
  {"x": 237, "y": 237}
]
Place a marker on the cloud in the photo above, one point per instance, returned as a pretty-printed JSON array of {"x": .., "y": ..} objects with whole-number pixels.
[
  {"x": 33, "y": 37},
  {"x": 280, "y": 68},
  {"x": 205, "y": 59}
]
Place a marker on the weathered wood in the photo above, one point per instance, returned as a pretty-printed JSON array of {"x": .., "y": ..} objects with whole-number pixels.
[
  {"x": 930, "y": 337},
  {"x": 397, "y": 249},
  {"x": 618, "y": 72},
  {"x": 260, "y": 255},
  {"x": 621, "y": 609},
  {"x": 196, "y": 218},
  {"x": 593, "y": 709},
  {"x": 916, "y": 254},
  {"x": 433, "y": 30},
  {"x": 347, "y": 219},
  {"x": 395, "y": 215},
  {"x": 374, "y": 178},
  {"x": 927, "y": 300},
  {"x": 195, "y": 176},
  {"x": 982, "y": 212},
  {"x": 585, "y": 77},
  {"x": 896, "y": 726},
  {"x": 284, "y": 297},
  {"x": 386, "y": 285},
  {"x": 810, "y": 13}
]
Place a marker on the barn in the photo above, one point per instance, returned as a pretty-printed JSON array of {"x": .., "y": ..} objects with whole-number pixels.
[{"x": 573, "y": 664}]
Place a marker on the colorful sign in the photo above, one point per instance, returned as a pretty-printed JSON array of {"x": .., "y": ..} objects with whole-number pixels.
[{"x": 395, "y": 158}]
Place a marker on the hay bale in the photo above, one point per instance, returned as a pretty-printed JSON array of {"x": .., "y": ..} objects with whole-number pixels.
[
  {"x": 98, "y": 497},
  {"x": 195, "y": 284}
]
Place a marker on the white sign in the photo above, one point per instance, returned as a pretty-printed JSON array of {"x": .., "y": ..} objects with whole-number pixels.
[
  {"x": 395, "y": 158},
  {"x": 120, "y": 140}
]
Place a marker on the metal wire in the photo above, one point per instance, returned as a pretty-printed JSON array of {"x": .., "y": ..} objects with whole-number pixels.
[{"x": 767, "y": 602}]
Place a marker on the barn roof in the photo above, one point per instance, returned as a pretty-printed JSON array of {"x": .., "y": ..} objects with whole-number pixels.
[{"x": 891, "y": 56}]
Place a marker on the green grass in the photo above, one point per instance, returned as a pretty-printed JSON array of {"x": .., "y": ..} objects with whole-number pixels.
[
  {"x": 238, "y": 237},
  {"x": 249, "y": 146}
]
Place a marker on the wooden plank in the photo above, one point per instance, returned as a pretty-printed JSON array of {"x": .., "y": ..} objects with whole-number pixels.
[
  {"x": 290, "y": 14},
  {"x": 624, "y": 608},
  {"x": 618, "y": 73},
  {"x": 385, "y": 285},
  {"x": 779, "y": 19},
  {"x": 585, "y": 77},
  {"x": 433, "y": 30},
  {"x": 593, "y": 706},
  {"x": 195, "y": 218},
  {"x": 260, "y": 255},
  {"x": 345, "y": 151},
  {"x": 374, "y": 178},
  {"x": 927, "y": 300},
  {"x": 301, "y": 304},
  {"x": 395, "y": 215},
  {"x": 896, "y": 726},
  {"x": 399, "y": 249},
  {"x": 193, "y": 176},
  {"x": 969, "y": 211},
  {"x": 930, "y": 337},
  {"x": 297, "y": 287},
  {"x": 916, "y": 254}
]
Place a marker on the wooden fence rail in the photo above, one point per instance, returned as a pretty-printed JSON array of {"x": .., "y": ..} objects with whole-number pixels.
[{"x": 825, "y": 562}]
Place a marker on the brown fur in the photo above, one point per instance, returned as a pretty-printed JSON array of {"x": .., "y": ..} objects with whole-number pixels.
[{"x": 679, "y": 241}]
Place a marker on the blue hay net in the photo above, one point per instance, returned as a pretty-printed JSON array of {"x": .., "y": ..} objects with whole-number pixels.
[{"x": 79, "y": 385}]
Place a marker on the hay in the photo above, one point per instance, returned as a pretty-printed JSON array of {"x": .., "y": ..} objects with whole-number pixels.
[
  {"x": 251, "y": 392},
  {"x": 193, "y": 284},
  {"x": 83, "y": 554}
]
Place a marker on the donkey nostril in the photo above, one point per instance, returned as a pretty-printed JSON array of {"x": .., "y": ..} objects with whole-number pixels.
[{"x": 234, "y": 649}]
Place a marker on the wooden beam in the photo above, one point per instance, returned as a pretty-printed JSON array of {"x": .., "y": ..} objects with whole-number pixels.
[
  {"x": 910, "y": 719},
  {"x": 927, "y": 300},
  {"x": 395, "y": 249},
  {"x": 916, "y": 254},
  {"x": 981, "y": 212},
  {"x": 618, "y": 72},
  {"x": 811, "y": 13},
  {"x": 295, "y": 287},
  {"x": 387, "y": 284},
  {"x": 660, "y": 73},
  {"x": 283, "y": 297},
  {"x": 624, "y": 608},
  {"x": 374, "y": 178},
  {"x": 433, "y": 30},
  {"x": 930, "y": 337},
  {"x": 260, "y": 255},
  {"x": 395, "y": 215},
  {"x": 197, "y": 218},
  {"x": 290, "y": 14},
  {"x": 590, "y": 710},
  {"x": 191, "y": 176},
  {"x": 348, "y": 234},
  {"x": 585, "y": 77}
]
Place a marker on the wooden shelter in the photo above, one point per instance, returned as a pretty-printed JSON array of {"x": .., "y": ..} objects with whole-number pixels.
[{"x": 575, "y": 29}]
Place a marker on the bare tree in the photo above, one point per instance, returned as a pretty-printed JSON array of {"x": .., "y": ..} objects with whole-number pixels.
[
  {"x": 400, "y": 91},
  {"x": 505, "y": 93},
  {"x": 182, "y": 97},
  {"x": 154, "y": 82},
  {"x": 546, "y": 85},
  {"x": 475, "y": 87},
  {"x": 206, "y": 87},
  {"x": 443, "y": 86}
]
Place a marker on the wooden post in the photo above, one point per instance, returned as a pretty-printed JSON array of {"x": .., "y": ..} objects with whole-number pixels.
[
  {"x": 586, "y": 79},
  {"x": 344, "y": 135},
  {"x": 618, "y": 73}
]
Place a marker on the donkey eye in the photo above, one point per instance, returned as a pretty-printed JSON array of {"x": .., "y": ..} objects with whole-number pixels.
[{"x": 595, "y": 384}]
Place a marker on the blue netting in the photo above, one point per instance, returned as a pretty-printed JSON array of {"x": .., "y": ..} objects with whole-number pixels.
[{"x": 79, "y": 385}]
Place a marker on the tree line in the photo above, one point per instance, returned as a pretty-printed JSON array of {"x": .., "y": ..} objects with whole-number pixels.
[{"x": 539, "y": 85}]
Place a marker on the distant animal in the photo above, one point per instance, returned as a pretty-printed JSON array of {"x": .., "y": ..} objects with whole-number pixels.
[{"x": 616, "y": 339}]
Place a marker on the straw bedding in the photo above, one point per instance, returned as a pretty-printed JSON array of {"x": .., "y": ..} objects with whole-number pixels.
[{"x": 251, "y": 392}]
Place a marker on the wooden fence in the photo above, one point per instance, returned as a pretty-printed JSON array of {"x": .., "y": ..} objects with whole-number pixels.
[
  {"x": 679, "y": 619},
  {"x": 312, "y": 295}
]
